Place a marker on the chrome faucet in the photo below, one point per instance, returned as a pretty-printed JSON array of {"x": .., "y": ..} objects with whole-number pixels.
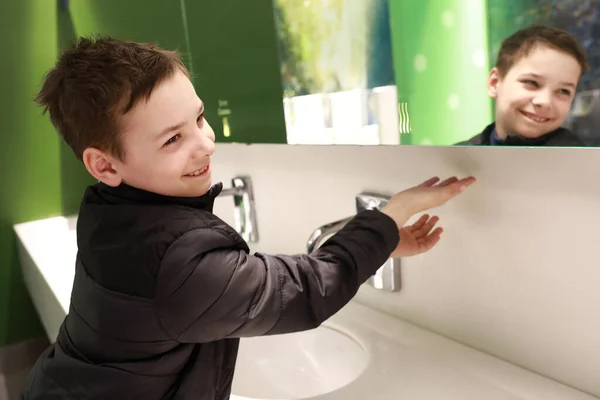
[
  {"x": 244, "y": 209},
  {"x": 388, "y": 277}
]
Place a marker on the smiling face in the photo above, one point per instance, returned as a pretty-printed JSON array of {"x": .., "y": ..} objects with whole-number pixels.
[
  {"x": 167, "y": 144},
  {"x": 535, "y": 95}
]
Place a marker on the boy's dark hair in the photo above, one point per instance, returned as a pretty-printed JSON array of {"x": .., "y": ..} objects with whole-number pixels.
[
  {"x": 520, "y": 43},
  {"x": 96, "y": 82}
]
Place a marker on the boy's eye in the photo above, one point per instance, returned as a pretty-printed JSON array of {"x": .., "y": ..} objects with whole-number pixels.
[
  {"x": 531, "y": 83},
  {"x": 565, "y": 92},
  {"x": 172, "y": 140}
]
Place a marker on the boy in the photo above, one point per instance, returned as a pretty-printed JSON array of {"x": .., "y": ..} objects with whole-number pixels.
[
  {"x": 534, "y": 83},
  {"x": 163, "y": 288}
]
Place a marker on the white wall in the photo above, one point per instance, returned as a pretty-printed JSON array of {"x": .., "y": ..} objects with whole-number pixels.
[{"x": 518, "y": 268}]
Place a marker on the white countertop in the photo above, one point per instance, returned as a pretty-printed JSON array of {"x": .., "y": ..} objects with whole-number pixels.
[{"x": 405, "y": 362}]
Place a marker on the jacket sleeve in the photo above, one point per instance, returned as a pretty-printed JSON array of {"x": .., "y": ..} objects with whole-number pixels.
[{"x": 225, "y": 293}]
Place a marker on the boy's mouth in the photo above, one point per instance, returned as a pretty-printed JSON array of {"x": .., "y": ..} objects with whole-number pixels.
[
  {"x": 534, "y": 117},
  {"x": 199, "y": 172}
]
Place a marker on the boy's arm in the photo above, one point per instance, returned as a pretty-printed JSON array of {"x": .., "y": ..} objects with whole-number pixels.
[{"x": 229, "y": 293}]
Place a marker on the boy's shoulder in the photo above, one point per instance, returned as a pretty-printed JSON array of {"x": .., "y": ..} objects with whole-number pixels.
[
  {"x": 127, "y": 247},
  {"x": 482, "y": 138},
  {"x": 564, "y": 137},
  {"x": 156, "y": 226},
  {"x": 146, "y": 217}
]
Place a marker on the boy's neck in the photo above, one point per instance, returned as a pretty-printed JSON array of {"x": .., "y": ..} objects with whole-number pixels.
[{"x": 499, "y": 137}]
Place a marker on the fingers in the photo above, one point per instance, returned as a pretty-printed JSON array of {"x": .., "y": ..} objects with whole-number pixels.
[
  {"x": 456, "y": 186},
  {"x": 466, "y": 182},
  {"x": 429, "y": 182},
  {"x": 448, "y": 181},
  {"x": 426, "y": 196},
  {"x": 461, "y": 183},
  {"x": 423, "y": 226},
  {"x": 419, "y": 224},
  {"x": 430, "y": 240}
]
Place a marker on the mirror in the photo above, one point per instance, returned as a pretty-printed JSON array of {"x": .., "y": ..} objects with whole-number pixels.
[
  {"x": 368, "y": 72},
  {"x": 413, "y": 72}
]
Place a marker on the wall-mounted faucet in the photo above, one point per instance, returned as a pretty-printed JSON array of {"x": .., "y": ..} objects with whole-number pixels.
[
  {"x": 244, "y": 208},
  {"x": 388, "y": 277}
]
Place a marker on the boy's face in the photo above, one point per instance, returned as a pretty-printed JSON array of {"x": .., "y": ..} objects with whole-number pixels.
[
  {"x": 167, "y": 143},
  {"x": 535, "y": 95}
]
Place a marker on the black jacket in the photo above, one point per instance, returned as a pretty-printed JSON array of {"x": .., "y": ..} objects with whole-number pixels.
[
  {"x": 164, "y": 289},
  {"x": 560, "y": 137}
]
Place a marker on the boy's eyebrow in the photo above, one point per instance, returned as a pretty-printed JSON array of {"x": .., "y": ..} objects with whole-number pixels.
[
  {"x": 179, "y": 125},
  {"x": 570, "y": 84}
]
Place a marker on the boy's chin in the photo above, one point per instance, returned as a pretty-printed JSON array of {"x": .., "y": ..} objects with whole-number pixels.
[
  {"x": 534, "y": 134},
  {"x": 530, "y": 132},
  {"x": 199, "y": 190}
]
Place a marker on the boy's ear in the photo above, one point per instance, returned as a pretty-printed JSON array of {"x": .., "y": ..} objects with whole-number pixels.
[
  {"x": 494, "y": 80},
  {"x": 99, "y": 165}
]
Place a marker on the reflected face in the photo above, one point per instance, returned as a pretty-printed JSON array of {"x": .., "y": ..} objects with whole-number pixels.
[
  {"x": 535, "y": 95},
  {"x": 168, "y": 143}
]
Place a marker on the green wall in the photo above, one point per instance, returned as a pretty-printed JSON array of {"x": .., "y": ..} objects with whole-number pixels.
[
  {"x": 40, "y": 176},
  {"x": 29, "y": 156}
]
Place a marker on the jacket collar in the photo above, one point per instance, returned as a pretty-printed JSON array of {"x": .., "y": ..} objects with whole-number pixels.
[
  {"x": 489, "y": 137},
  {"x": 124, "y": 194}
]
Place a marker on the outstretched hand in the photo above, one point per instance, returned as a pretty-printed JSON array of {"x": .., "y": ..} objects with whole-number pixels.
[
  {"x": 418, "y": 237},
  {"x": 427, "y": 195}
]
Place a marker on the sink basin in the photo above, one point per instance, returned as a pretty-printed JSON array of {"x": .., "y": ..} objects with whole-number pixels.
[{"x": 298, "y": 365}]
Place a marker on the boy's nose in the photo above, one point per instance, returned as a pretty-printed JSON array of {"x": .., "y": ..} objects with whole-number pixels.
[
  {"x": 542, "y": 99},
  {"x": 209, "y": 146},
  {"x": 205, "y": 144},
  {"x": 201, "y": 143}
]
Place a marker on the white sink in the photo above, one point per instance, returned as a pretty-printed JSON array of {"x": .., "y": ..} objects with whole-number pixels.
[{"x": 297, "y": 366}]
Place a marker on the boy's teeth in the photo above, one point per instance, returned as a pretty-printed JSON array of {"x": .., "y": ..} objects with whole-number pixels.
[
  {"x": 198, "y": 172},
  {"x": 536, "y": 119}
]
